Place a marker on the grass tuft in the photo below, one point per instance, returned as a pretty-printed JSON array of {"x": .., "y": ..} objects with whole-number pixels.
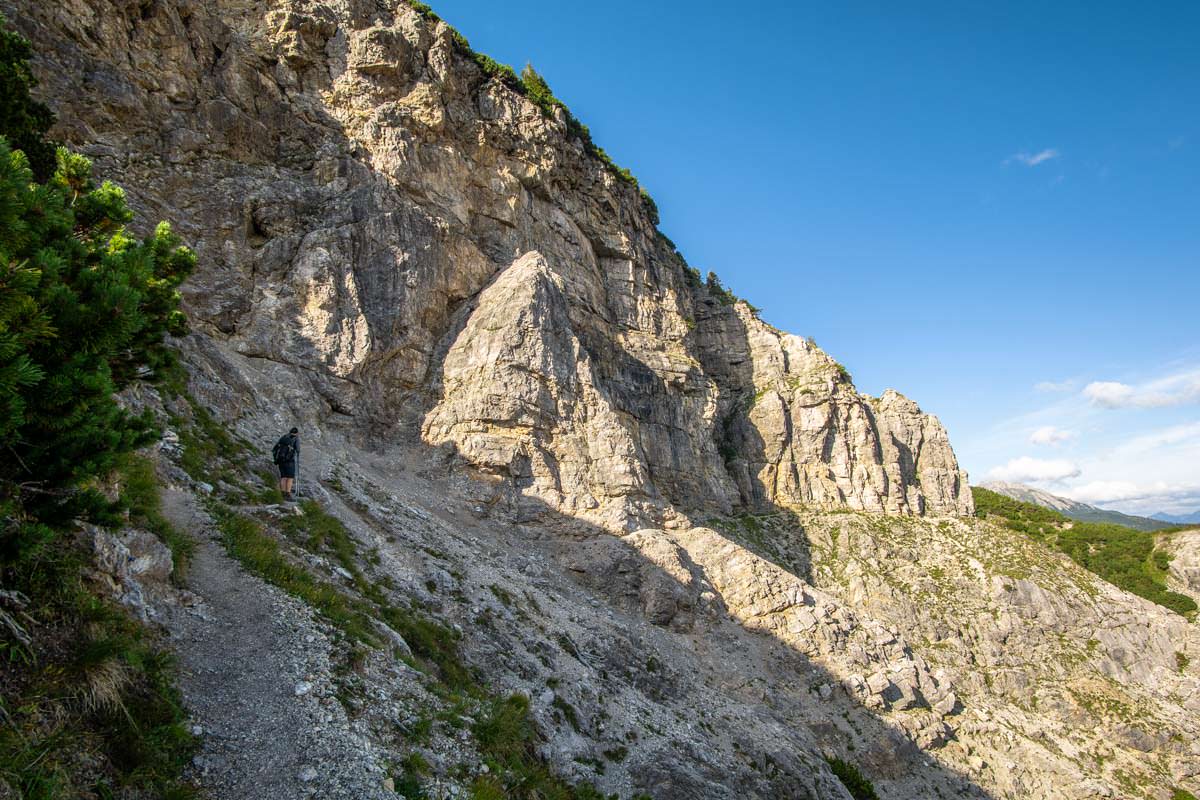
[
  {"x": 92, "y": 709},
  {"x": 245, "y": 540},
  {"x": 507, "y": 738},
  {"x": 141, "y": 497}
]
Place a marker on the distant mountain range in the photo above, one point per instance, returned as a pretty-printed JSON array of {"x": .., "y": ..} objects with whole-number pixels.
[
  {"x": 1178, "y": 519},
  {"x": 1082, "y": 511}
]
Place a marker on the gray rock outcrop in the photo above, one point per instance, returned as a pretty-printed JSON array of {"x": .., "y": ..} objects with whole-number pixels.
[
  {"x": 134, "y": 566},
  {"x": 1184, "y": 570}
]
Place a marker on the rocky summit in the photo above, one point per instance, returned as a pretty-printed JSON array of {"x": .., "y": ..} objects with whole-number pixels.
[{"x": 707, "y": 563}]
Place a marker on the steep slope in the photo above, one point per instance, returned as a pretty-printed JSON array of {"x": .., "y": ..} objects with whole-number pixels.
[
  {"x": 708, "y": 561},
  {"x": 946, "y": 657},
  {"x": 1136, "y": 561},
  {"x": 1072, "y": 508}
]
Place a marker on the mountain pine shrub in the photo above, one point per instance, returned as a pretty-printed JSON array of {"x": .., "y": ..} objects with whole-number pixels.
[
  {"x": 23, "y": 120},
  {"x": 89, "y": 706},
  {"x": 856, "y": 783},
  {"x": 84, "y": 308}
]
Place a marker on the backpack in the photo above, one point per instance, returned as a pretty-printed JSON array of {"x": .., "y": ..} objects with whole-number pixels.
[{"x": 284, "y": 450}]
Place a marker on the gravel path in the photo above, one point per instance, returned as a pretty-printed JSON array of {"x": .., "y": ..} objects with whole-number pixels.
[{"x": 254, "y": 671}]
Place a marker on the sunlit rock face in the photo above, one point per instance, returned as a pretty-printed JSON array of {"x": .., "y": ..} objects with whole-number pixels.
[{"x": 373, "y": 213}]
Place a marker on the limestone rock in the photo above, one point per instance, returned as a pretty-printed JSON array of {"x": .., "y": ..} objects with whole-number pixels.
[
  {"x": 1184, "y": 570},
  {"x": 366, "y": 206},
  {"x": 810, "y": 439},
  {"x": 135, "y": 564},
  {"x": 521, "y": 394}
]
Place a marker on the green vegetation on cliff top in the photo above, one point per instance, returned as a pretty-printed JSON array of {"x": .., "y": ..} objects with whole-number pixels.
[
  {"x": 533, "y": 86},
  {"x": 1125, "y": 557}
]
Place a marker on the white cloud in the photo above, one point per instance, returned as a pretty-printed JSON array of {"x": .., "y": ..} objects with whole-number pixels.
[
  {"x": 1050, "y": 435},
  {"x": 1109, "y": 394},
  {"x": 1106, "y": 491},
  {"x": 1033, "y": 159},
  {"x": 1188, "y": 433},
  {"x": 1153, "y": 470},
  {"x": 1031, "y": 470},
  {"x": 1143, "y": 498},
  {"x": 1139, "y": 460},
  {"x": 1173, "y": 390}
]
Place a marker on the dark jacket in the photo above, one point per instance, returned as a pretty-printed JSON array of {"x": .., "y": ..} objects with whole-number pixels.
[{"x": 278, "y": 450}]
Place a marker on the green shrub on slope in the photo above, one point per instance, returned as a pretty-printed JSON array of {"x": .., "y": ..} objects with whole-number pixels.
[
  {"x": 83, "y": 310},
  {"x": 852, "y": 778},
  {"x": 23, "y": 120},
  {"x": 89, "y": 709},
  {"x": 1124, "y": 557}
]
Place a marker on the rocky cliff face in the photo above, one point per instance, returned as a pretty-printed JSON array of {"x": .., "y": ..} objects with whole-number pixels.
[
  {"x": 425, "y": 249},
  {"x": 441, "y": 282}
]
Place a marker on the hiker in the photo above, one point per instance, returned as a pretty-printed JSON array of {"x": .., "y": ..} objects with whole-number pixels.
[{"x": 286, "y": 454}]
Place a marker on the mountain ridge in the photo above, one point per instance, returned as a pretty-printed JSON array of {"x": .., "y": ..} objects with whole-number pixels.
[
  {"x": 1073, "y": 508},
  {"x": 1178, "y": 519}
]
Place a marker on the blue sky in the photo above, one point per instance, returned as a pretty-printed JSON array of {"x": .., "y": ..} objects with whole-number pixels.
[{"x": 964, "y": 202}]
